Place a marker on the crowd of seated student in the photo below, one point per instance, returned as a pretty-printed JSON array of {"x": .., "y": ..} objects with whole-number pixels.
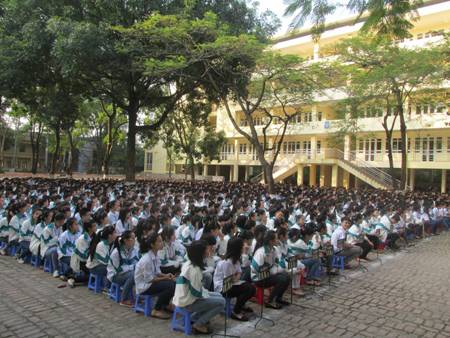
[{"x": 180, "y": 240}]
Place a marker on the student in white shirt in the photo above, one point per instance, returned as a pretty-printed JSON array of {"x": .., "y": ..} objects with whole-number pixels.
[
  {"x": 100, "y": 251},
  {"x": 172, "y": 253},
  {"x": 66, "y": 244},
  {"x": 113, "y": 214},
  {"x": 148, "y": 277},
  {"x": 265, "y": 257},
  {"x": 26, "y": 234},
  {"x": 124, "y": 221},
  {"x": 231, "y": 266},
  {"x": 121, "y": 265},
  {"x": 340, "y": 246},
  {"x": 356, "y": 236},
  {"x": 190, "y": 294},
  {"x": 49, "y": 242}
]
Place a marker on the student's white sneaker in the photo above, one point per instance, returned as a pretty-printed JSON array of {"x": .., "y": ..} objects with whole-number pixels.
[
  {"x": 20, "y": 261},
  {"x": 56, "y": 273},
  {"x": 71, "y": 282},
  {"x": 3, "y": 252}
]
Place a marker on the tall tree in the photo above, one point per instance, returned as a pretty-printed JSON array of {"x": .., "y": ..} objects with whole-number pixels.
[
  {"x": 271, "y": 92},
  {"x": 383, "y": 71}
]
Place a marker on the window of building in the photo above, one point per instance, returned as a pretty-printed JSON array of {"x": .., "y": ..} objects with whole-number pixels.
[
  {"x": 319, "y": 146},
  {"x": 242, "y": 148},
  {"x": 439, "y": 144},
  {"x": 319, "y": 116},
  {"x": 396, "y": 145},
  {"x": 149, "y": 161}
]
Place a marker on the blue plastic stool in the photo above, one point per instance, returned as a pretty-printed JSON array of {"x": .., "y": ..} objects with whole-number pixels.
[
  {"x": 115, "y": 292},
  {"x": 95, "y": 283},
  {"x": 338, "y": 262},
  {"x": 184, "y": 323},
  {"x": 3, "y": 245},
  {"x": 12, "y": 250},
  {"x": 35, "y": 261},
  {"x": 64, "y": 268},
  {"x": 228, "y": 307},
  {"x": 144, "y": 304},
  {"x": 48, "y": 265}
]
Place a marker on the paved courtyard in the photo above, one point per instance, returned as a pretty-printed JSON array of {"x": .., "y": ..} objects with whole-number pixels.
[{"x": 408, "y": 295}]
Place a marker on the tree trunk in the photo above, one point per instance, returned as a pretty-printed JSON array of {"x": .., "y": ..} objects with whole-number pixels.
[
  {"x": 391, "y": 159},
  {"x": 109, "y": 145},
  {"x": 71, "y": 153},
  {"x": 192, "y": 168},
  {"x": 268, "y": 175},
  {"x": 131, "y": 144},
  {"x": 403, "y": 143},
  {"x": 57, "y": 149}
]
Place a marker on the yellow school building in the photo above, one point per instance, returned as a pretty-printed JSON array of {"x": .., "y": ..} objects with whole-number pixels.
[{"x": 309, "y": 156}]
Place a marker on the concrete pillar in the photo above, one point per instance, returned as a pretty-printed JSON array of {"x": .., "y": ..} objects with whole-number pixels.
[
  {"x": 246, "y": 173},
  {"x": 313, "y": 147},
  {"x": 347, "y": 147},
  {"x": 217, "y": 170},
  {"x": 346, "y": 179},
  {"x": 314, "y": 113},
  {"x": 205, "y": 170},
  {"x": 235, "y": 173},
  {"x": 322, "y": 175},
  {"x": 299, "y": 175},
  {"x": 316, "y": 55},
  {"x": 412, "y": 179},
  {"x": 334, "y": 175},
  {"x": 444, "y": 181},
  {"x": 236, "y": 151},
  {"x": 312, "y": 175}
]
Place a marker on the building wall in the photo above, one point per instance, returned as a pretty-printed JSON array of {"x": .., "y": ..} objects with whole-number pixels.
[{"x": 156, "y": 160}]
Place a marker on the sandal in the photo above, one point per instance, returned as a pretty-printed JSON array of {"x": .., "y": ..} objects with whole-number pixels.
[
  {"x": 160, "y": 314},
  {"x": 239, "y": 316},
  {"x": 202, "y": 329},
  {"x": 272, "y": 305}
]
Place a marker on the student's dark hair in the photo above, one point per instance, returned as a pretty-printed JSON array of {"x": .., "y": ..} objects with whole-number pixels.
[
  {"x": 88, "y": 225},
  {"x": 234, "y": 249},
  {"x": 120, "y": 242},
  {"x": 246, "y": 235},
  {"x": 83, "y": 211},
  {"x": 209, "y": 239},
  {"x": 227, "y": 228},
  {"x": 282, "y": 232},
  {"x": 100, "y": 215},
  {"x": 141, "y": 227},
  {"x": 210, "y": 227},
  {"x": 240, "y": 221},
  {"x": 123, "y": 214},
  {"x": 101, "y": 235},
  {"x": 196, "y": 253},
  {"x": 167, "y": 233},
  {"x": 294, "y": 234},
  {"x": 59, "y": 217},
  {"x": 146, "y": 243},
  {"x": 68, "y": 223},
  {"x": 270, "y": 235}
]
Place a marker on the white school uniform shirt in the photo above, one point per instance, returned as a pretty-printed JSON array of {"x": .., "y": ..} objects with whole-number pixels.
[
  {"x": 81, "y": 251},
  {"x": 264, "y": 257},
  {"x": 26, "y": 230},
  {"x": 185, "y": 233},
  {"x": 14, "y": 226},
  {"x": 385, "y": 227},
  {"x": 189, "y": 286},
  {"x": 355, "y": 234},
  {"x": 121, "y": 227},
  {"x": 199, "y": 234},
  {"x": 4, "y": 227},
  {"x": 101, "y": 255},
  {"x": 147, "y": 268},
  {"x": 66, "y": 245},
  {"x": 49, "y": 238},
  {"x": 36, "y": 238},
  {"x": 176, "y": 222},
  {"x": 338, "y": 234},
  {"x": 129, "y": 259},
  {"x": 224, "y": 269},
  {"x": 171, "y": 255},
  {"x": 113, "y": 217},
  {"x": 222, "y": 245}
]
